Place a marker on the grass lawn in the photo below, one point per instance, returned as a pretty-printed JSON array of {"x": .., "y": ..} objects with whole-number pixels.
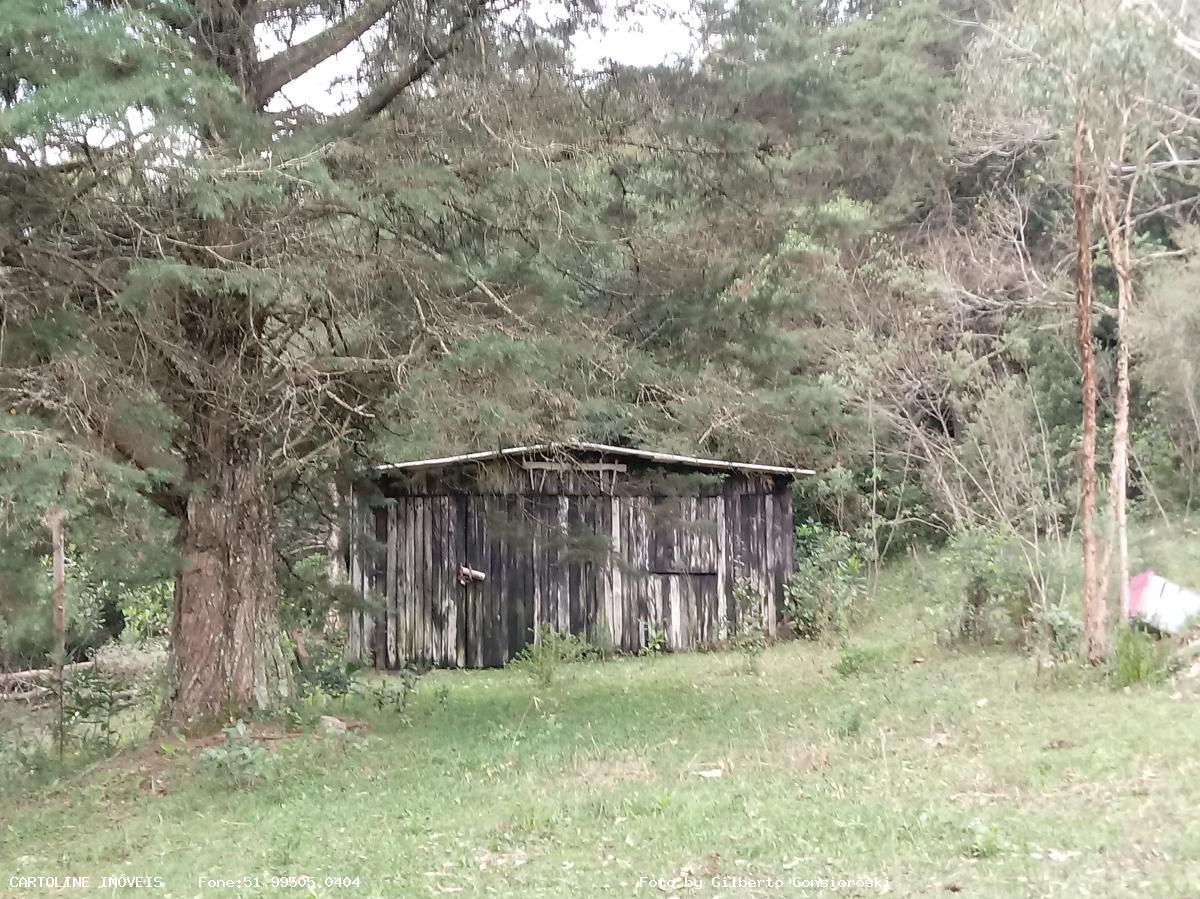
[{"x": 964, "y": 772}]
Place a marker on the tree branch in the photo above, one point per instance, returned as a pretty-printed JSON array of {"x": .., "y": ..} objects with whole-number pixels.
[
  {"x": 293, "y": 62},
  {"x": 429, "y": 56},
  {"x": 264, "y": 9}
]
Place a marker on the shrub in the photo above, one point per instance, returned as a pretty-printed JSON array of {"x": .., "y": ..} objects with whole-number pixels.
[
  {"x": 543, "y": 658},
  {"x": 855, "y": 660},
  {"x": 393, "y": 693},
  {"x": 1058, "y": 629},
  {"x": 91, "y": 702},
  {"x": 240, "y": 759},
  {"x": 147, "y": 612},
  {"x": 988, "y": 595},
  {"x": 27, "y": 636},
  {"x": 983, "y": 840},
  {"x": 306, "y": 594},
  {"x": 327, "y": 675},
  {"x": 654, "y": 638},
  {"x": 848, "y": 721},
  {"x": 1139, "y": 657},
  {"x": 750, "y": 639},
  {"x": 829, "y": 582}
]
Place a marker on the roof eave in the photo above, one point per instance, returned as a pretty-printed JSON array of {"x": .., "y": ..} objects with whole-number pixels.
[{"x": 650, "y": 455}]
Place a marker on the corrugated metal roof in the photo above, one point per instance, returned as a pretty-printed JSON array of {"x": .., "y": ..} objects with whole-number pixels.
[{"x": 649, "y": 455}]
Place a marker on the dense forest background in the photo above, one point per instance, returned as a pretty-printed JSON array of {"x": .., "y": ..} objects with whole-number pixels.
[{"x": 842, "y": 235}]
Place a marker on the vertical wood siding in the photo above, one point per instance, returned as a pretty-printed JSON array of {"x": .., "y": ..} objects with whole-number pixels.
[{"x": 638, "y": 567}]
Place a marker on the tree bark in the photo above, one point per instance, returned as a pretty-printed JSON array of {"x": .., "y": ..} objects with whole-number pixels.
[
  {"x": 1093, "y": 601},
  {"x": 58, "y": 583},
  {"x": 335, "y": 567},
  {"x": 1117, "y": 236},
  {"x": 227, "y": 657},
  {"x": 54, "y": 520}
]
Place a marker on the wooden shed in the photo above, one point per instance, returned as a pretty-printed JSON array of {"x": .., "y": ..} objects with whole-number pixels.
[{"x": 464, "y": 558}]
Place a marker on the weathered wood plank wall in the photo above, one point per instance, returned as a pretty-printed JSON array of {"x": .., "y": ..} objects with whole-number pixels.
[{"x": 586, "y": 554}]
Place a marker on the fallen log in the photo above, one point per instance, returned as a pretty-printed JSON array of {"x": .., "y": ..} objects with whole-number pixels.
[
  {"x": 33, "y": 675},
  {"x": 26, "y": 693}
]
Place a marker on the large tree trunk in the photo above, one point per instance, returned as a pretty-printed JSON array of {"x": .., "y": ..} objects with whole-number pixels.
[
  {"x": 225, "y": 637},
  {"x": 1093, "y": 601}
]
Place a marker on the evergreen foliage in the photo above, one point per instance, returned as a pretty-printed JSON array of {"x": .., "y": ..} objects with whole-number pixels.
[{"x": 834, "y": 236}]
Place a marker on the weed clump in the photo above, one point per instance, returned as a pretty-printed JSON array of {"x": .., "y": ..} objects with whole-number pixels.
[
  {"x": 544, "y": 658},
  {"x": 240, "y": 760},
  {"x": 856, "y": 660},
  {"x": 1140, "y": 658},
  {"x": 750, "y": 639}
]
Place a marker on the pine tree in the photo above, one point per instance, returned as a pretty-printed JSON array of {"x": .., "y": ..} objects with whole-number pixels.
[{"x": 172, "y": 246}]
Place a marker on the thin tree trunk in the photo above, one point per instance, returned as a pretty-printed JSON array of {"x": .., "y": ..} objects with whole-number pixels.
[
  {"x": 227, "y": 656},
  {"x": 59, "y": 585},
  {"x": 1117, "y": 238},
  {"x": 1093, "y": 602},
  {"x": 54, "y": 520},
  {"x": 335, "y": 563}
]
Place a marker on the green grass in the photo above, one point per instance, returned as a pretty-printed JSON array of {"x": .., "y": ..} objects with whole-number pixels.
[{"x": 965, "y": 769}]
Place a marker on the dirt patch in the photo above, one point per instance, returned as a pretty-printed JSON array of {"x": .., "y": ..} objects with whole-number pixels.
[
  {"x": 605, "y": 773},
  {"x": 983, "y": 790},
  {"x": 488, "y": 859},
  {"x": 797, "y": 758},
  {"x": 802, "y": 758}
]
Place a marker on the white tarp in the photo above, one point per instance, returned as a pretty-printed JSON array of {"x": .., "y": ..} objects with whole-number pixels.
[{"x": 1162, "y": 604}]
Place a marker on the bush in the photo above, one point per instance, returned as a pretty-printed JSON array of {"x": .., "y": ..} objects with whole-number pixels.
[
  {"x": 543, "y": 658},
  {"x": 147, "y": 612},
  {"x": 91, "y": 702},
  {"x": 1139, "y": 657},
  {"x": 988, "y": 596},
  {"x": 750, "y": 639},
  {"x": 654, "y": 638},
  {"x": 100, "y": 606},
  {"x": 856, "y": 660},
  {"x": 328, "y": 675},
  {"x": 393, "y": 693},
  {"x": 27, "y": 636},
  {"x": 240, "y": 759},
  {"x": 983, "y": 840},
  {"x": 1059, "y": 630},
  {"x": 820, "y": 597}
]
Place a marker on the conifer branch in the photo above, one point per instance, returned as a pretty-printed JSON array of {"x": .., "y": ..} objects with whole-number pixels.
[
  {"x": 286, "y": 66},
  {"x": 264, "y": 9},
  {"x": 429, "y": 56}
]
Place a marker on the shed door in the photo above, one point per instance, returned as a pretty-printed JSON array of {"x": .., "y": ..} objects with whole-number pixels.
[
  {"x": 543, "y": 557},
  {"x": 682, "y": 537}
]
